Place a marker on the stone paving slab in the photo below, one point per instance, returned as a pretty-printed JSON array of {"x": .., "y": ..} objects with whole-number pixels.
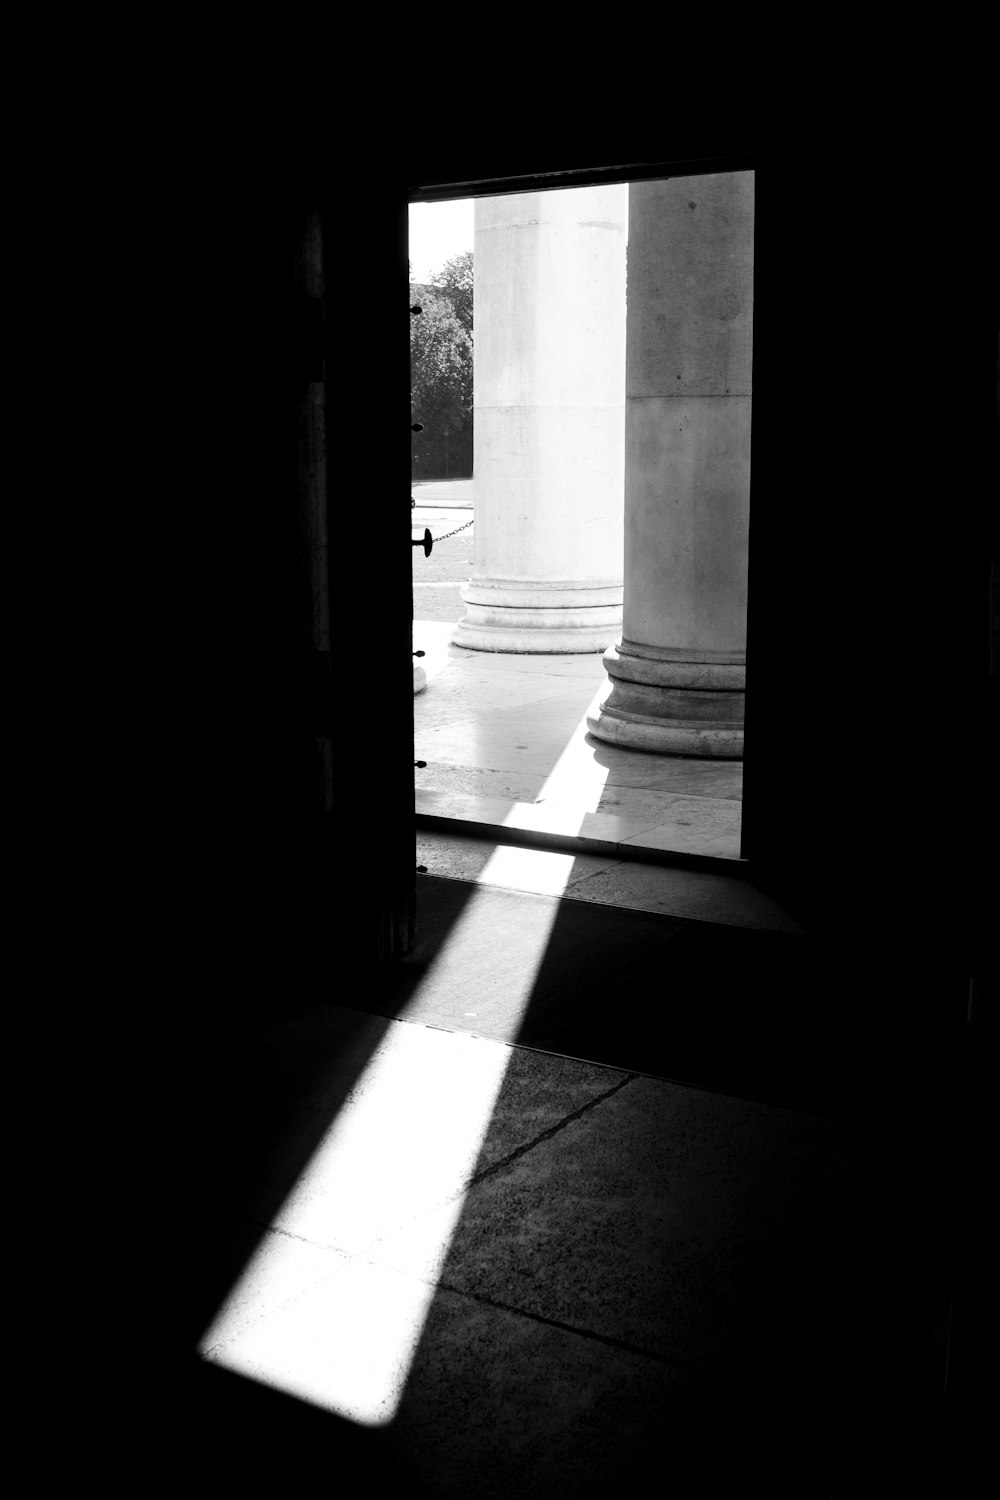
[
  {"x": 685, "y": 1224},
  {"x": 603, "y": 879},
  {"x": 548, "y": 1413},
  {"x": 506, "y": 729},
  {"x": 306, "y": 1073},
  {"x": 707, "y": 829},
  {"x": 460, "y": 699}
]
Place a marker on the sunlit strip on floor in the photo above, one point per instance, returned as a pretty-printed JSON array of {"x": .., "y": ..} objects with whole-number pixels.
[
  {"x": 331, "y": 1306},
  {"x": 577, "y": 776}
]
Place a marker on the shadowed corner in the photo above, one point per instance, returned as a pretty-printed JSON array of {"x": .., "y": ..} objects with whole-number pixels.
[{"x": 488, "y": 1274}]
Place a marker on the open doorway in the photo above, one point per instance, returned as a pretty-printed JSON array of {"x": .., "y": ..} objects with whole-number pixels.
[{"x": 541, "y": 730}]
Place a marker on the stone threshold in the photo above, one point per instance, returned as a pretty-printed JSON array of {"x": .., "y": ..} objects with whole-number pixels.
[{"x": 561, "y": 826}]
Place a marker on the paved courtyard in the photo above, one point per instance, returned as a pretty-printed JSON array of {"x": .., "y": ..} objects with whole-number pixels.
[{"x": 506, "y": 741}]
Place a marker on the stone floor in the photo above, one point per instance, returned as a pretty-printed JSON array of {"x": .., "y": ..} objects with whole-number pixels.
[
  {"x": 704, "y": 895},
  {"x": 438, "y": 1262},
  {"x": 506, "y": 744},
  {"x": 456, "y": 1266}
]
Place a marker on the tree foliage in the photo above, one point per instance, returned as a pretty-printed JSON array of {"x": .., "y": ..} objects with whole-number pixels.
[
  {"x": 440, "y": 365},
  {"x": 454, "y": 280},
  {"x": 441, "y": 369}
]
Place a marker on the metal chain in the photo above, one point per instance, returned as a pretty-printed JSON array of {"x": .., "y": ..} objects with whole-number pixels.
[{"x": 453, "y": 533}]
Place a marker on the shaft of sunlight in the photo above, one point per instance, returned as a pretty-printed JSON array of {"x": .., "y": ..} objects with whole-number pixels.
[
  {"x": 331, "y": 1306},
  {"x": 575, "y": 783}
]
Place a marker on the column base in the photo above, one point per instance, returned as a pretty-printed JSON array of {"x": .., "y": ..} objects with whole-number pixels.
[
  {"x": 536, "y": 619},
  {"x": 673, "y": 702}
]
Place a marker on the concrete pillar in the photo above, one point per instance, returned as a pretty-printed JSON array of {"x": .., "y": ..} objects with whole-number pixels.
[
  {"x": 549, "y": 403},
  {"x": 678, "y": 674}
]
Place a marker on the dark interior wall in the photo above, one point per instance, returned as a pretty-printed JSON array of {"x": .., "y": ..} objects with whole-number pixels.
[
  {"x": 264, "y": 881},
  {"x": 869, "y": 793},
  {"x": 241, "y": 699},
  {"x": 868, "y": 779},
  {"x": 874, "y": 463},
  {"x": 875, "y": 472}
]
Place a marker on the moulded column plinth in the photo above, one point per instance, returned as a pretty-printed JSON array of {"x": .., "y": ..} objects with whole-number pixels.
[
  {"x": 672, "y": 704},
  {"x": 530, "y": 617}
]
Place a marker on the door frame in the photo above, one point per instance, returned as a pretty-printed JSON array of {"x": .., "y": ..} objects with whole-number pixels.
[{"x": 509, "y": 179}]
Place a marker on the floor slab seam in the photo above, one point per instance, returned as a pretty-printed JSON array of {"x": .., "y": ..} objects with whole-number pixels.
[
  {"x": 370, "y": 1258},
  {"x": 268, "y": 1226},
  {"x": 576, "y": 843},
  {"x": 546, "y": 1135},
  {"x": 568, "y": 895},
  {"x": 622, "y": 1345},
  {"x": 268, "y": 1309},
  {"x": 437, "y": 1284},
  {"x": 853, "y": 1118},
  {"x": 468, "y": 1183}
]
